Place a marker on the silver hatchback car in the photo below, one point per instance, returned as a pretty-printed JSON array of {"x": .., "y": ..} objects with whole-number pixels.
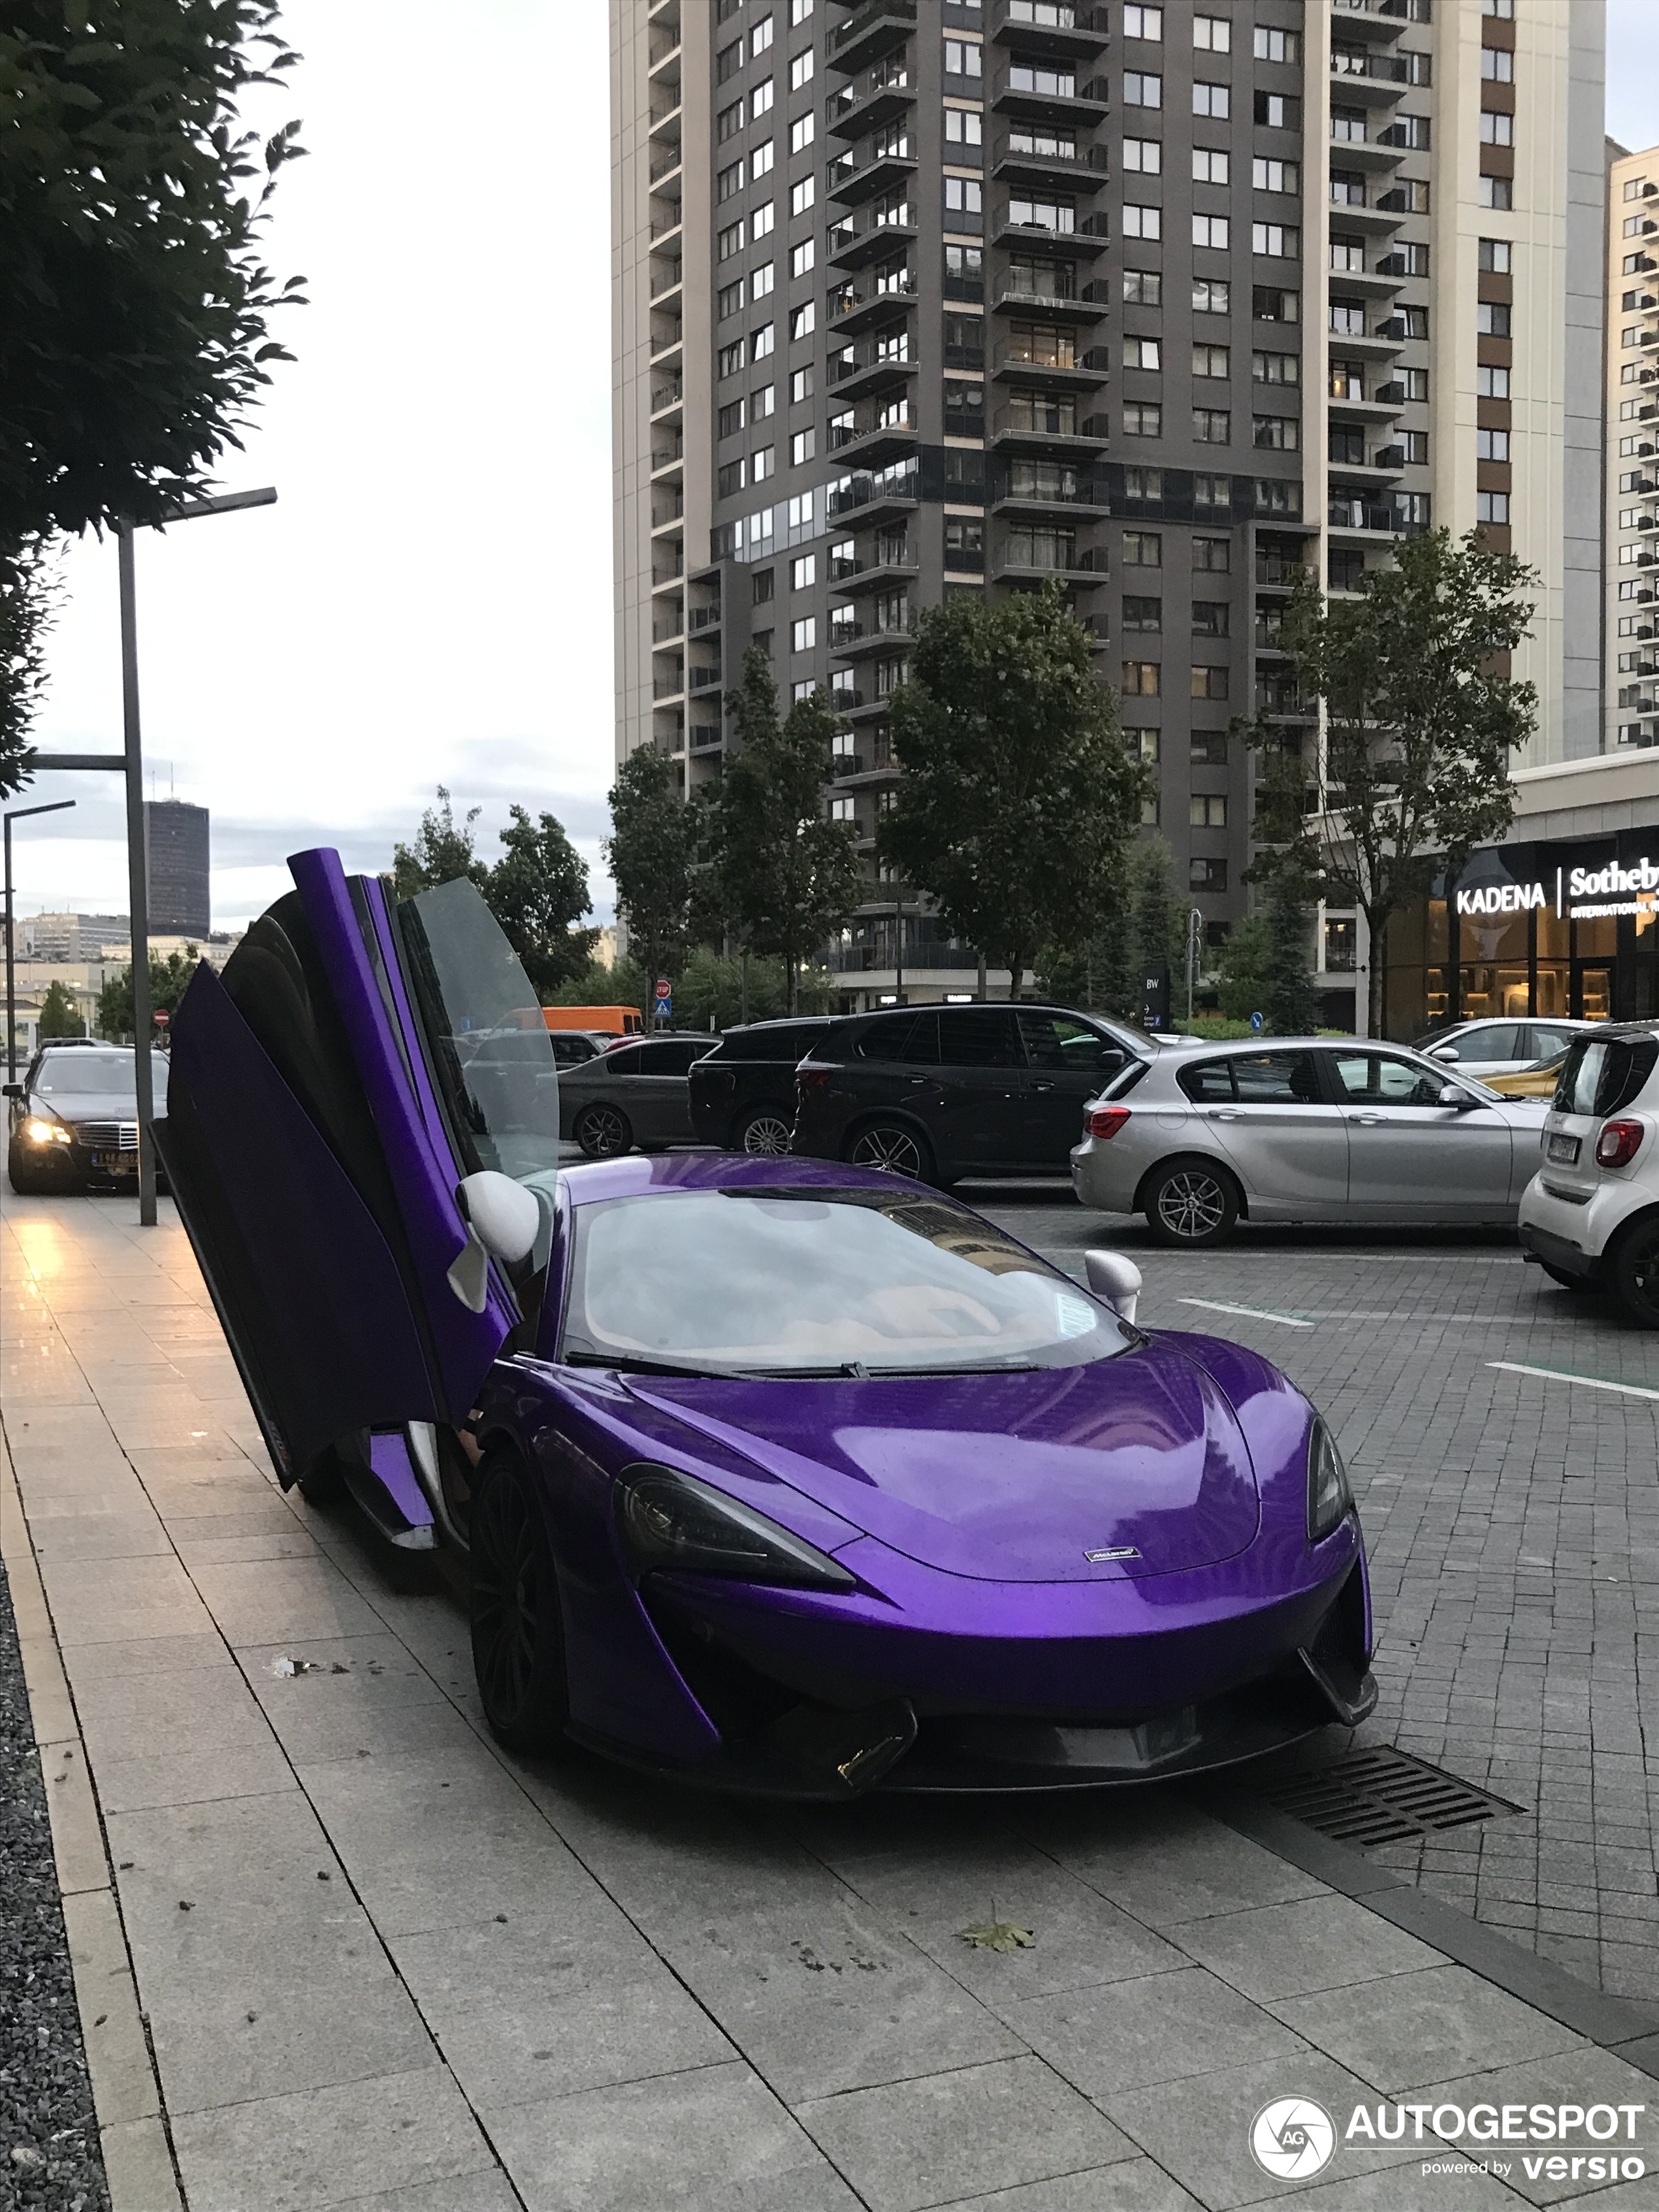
[{"x": 1302, "y": 1129}]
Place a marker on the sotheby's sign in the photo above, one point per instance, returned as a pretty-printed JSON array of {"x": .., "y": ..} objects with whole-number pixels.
[{"x": 1610, "y": 889}]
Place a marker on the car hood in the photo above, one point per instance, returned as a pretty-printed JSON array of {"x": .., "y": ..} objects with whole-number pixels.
[
  {"x": 92, "y": 1105},
  {"x": 1004, "y": 1478}
]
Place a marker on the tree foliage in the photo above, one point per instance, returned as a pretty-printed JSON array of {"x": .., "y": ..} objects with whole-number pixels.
[
  {"x": 169, "y": 979},
  {"x": 784, "y": 876},
  {"x": 1422, "y": 720},
  {"x": 1289, "y": 1004},
  {"x": 1243, "y": 968},
  {"x": 652, "y": 852},
  {"x": 59, "y": 1016},
  {"x": 443, "y": 852},
  {"x": 538, "y": 891},
  {"x": 28, "y": 594},
  {"x": 1019, "y": 798}
]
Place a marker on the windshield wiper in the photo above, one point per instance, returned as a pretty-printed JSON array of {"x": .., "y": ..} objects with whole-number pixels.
[{"x": 627, "y": 1364}]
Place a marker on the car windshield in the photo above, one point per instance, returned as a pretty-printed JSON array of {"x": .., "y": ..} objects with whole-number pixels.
[
  {"x": 792, "y": 1280},
  {"x": 96, "y": 1075},
  {"x": 493, "y": 1056}
]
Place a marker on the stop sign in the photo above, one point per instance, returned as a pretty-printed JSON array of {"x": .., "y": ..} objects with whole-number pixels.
[{"x": 662, "y": 987}]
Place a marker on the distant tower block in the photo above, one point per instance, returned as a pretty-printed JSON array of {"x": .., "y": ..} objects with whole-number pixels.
[{"x": 176, "y": 847}]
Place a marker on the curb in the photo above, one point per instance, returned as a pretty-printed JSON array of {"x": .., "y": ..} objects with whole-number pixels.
[{"x": 126, "y": 2092}]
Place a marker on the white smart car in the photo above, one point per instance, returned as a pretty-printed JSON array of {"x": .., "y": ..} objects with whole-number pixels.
[{"x": 1590, "y": 1215}]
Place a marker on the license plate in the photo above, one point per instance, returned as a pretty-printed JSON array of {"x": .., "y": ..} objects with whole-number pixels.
[
  {"x": 115, "y": 1163},
  {"x": 1563, "y": 1149}
]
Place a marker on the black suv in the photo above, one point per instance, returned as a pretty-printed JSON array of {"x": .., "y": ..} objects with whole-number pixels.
[
  {"x": 74, "y": 1117},
  {"x": 743, "y": 1093},
  {"x": 941, "y": 1092}
]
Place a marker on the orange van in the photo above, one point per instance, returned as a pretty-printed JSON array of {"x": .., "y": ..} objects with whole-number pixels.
[{"x": 615, "y": 1021}]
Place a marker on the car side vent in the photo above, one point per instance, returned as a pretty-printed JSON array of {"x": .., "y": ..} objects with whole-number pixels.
[{"x": 1382, "y": 1796}]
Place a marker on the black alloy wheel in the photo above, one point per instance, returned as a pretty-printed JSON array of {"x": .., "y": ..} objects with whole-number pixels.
[
  {"x": 518, "y": 1633},
  {"x": 895, "y": 1149},
  {"x": 1191, "y": 1204},
  {"x": 766, "y": 1133},
  {"x": 1635, "y": 1271},
  {"x": 604, "y": 1131}
]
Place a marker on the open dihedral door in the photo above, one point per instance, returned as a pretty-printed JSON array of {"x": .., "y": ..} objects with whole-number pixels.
[{"x": 314, "y": 1155}]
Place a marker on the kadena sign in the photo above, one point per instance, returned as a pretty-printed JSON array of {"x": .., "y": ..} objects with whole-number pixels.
[{"x": 1609, "y": 888}]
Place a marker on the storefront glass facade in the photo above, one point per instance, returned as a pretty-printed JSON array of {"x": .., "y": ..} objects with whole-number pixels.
[{"x": 1542, "y": 929}]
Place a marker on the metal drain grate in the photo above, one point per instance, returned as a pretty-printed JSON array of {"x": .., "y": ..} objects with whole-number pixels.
[{"x": 1382, "y": 1797}]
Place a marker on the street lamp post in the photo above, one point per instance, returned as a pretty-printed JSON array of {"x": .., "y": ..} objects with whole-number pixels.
[
  {"x": 17, "y": 814},
  {"x": 1195, "y": 956},
  {"x": 130, "y": 760}
]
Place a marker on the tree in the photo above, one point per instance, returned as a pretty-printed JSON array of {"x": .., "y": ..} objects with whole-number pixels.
[
  {"x": 29, "y": 593},
  {"x": 651, "y": 852},
  {"x": 169, "y": 979},
  {"x": 784, "y": 876},
  {"x": 537, "y": 891},
  {"x": 1243, "y": 966},
  {"x": 134, "y": 307},
  {"x": 1291, "y": 1004},
  {"x": 59, "y": 1016},
  {"x": 627, "y": 984},
  {"x": 1018, "y": 798},
  {"x": 1160, "y": 919},
  {"x": 1422, "y": 720},
  {"x": 443, "y": 851}
]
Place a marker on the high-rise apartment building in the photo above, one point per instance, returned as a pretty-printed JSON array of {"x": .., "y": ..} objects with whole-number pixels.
[
  {"x": 1167, "y": 302},
  {"x": 176, "y": 857},
  {"x": 1632, "y": 516}
]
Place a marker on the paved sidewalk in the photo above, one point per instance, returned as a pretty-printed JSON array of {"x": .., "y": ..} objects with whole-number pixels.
[{"x": 382, "y": 1966}]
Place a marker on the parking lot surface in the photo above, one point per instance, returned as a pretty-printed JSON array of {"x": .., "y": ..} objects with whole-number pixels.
[{"x": 349, "y": 1955}]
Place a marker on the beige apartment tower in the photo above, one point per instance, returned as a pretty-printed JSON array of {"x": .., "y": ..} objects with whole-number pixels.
[
  {"x": 920, "y": 297},
  {"x": 1632, "y": 484}
]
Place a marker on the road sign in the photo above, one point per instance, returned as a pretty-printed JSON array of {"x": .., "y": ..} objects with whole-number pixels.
[
  {"x": 1257, "y": 1025},
  {"x": 163, "y": 1017},
  {"x": 665, "y": 1007},
  {"x": 665, "y": 988}
]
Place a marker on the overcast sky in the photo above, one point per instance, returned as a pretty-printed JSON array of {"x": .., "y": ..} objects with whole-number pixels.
[{"x": 430, "y": 600}]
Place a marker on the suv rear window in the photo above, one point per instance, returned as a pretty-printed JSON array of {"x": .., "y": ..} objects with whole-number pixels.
[
  {"x": 790, "y": 1042},
  {"x": 1604, "y": 1074}
]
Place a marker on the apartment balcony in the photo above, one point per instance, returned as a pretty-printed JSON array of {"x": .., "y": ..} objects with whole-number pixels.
[
  {"x": 852, "y": 181},
  {"x": 863, "y": 641},
  {"x": 703, "y": 679},
  {"x": 1081, "y": 500},
  {"x": 664, "y": 225},
  {"x": 1275, "y": 572},
  {"x": 1046, "y": 369},
  {"x": 871, "y": 371},
  {"x": 667, "y": 508},
  {"x": 665, "y": 114},
  {"x": 668, "y": 452},
  {"x": 664, "y": 160},
  {"x": 665, "y": 336},
  {"x": 1382, "y": 21},
  {"x": 1369, "y": 80},
  {"x": 1383, "y": 405},
  {"x": 880, "y": 96},
  {"x": 668, "y": 626},
  {"x": 1379, "y": 344},
  {"x": 874, "y": 500},
  {"x": 872, "y": 445},
  {"x": 857, "y": 308},
  {"x": 1056, "y": 430},
  {"x": 1083, "y": 169},
  {"x": 705, "y": 738},
  {"x": 882, "y": 231},
  {"x": 1373, "y": 221},
  {"x": 668, "y": 687},
  {"x": 1362, "y": 152},
  {"x": 1023, "y": 563},
  {"x": 666, "y": 276},
  {"x": 873, "y": 572},
  {"x": 1050, "y": 96},
  {"x": 1088, "y": 304},
  {"x": 704, "y": 621},
  {"x": 871, "y": 32},
  {"x": 1376, "y": 471},
  {"x": 1063, "y": 28},
  {"x": 666, "y": 393},
  {"x": 1085, "y": 240},
  {"x": 1376, "y": 282},
  {"x": 1362, "y": 520}
]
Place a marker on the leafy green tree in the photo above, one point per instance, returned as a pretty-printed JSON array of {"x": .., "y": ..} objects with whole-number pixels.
[
  {"x": 652, "y": 852},
  {"x": 1160, "y": 919},
  {"x": 59, "y": 1016},
  {"x": 712, "y": 985},
  {"x": 135, "y": 310},
  {"x": 443, "y": 851},
  {"x": 1422, "y": 722},
  {"x": 538, "y": 891},
  {"x": 169, "y": 979},
  {"x": 1243, "y": 967},
  {"x": 784, "y": 876},
  {"x": 28, "y": 595},
  {"x": 1019, "y": 799},
  {"x": 627, "y": 984},
  {"x": 1292, "y": 1004}
]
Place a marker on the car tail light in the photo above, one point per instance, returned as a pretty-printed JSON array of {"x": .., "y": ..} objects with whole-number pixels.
[
  {"x": 1105, "y": 1121},
  {"x": 1618, "y": 1144},
  {"x": 810, "y": 1078}
]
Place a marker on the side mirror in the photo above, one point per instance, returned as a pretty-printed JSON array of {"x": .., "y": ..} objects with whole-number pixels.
[
  {"x": 503, "y": 1215},
  {"x": 1110, "y": 1063},
  {"x": 1451, "y": 1096},
  {"x": 13, "y": 1090},
  {"x": 1115, "y": 1280},
  {"x": 1444, "y": 1052}
]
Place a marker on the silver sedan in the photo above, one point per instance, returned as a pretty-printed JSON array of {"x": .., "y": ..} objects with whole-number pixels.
[{"x": 1302, "y": 1129}]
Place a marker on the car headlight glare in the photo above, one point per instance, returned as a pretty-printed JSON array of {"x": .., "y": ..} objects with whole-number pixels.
[
  {"x": 41, "y": 1132},
  {"x": 1330, "y": 1499},
  {"x": 669, "y": 1520}
]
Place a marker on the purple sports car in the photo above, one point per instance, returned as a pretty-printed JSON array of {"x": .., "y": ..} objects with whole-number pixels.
[{"x": 773, "y": 1474}]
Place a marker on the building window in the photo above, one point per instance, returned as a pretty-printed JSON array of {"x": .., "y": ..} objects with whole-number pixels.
[
  {"x": 1142, "y": 90},
  {"x": 1144, "y": 156},
  {"x": 1276, "y": 495},
  {"x": 804, "y": 634},
  {"x": 1213, "y": 426},
  {"x": 1497, "y": 129},
  {"x": 760, "y": 588},
  {"x": 761, "y": 100},
  {"x": 1275, "y": 368},
  {"x": 1150, "y": 810},
  {"x": 1143, "y": 287},
  {"x": 963, "y": 58},
  {"x": 1214, "y": 100},
  {"x": 965, "y": 203},
  {"x": 762, "y": 220},
  {"x": 1496, "y": 192},
  {"x": 1143, "y": 549},
  {"x": 1143, "y": 613},
  {"x": 733, "y": 476},
  {"x": 1273, "y": 45},
  {"x": 729, "y": 240},
  {"x": 801, "y": 68},
  {"x": 1413, "y": 382},
  {"x": 761, "y": 280},
  {"x": 1209, "y": 167},
  {"x": 1212, "y": 360},
  {"x": 803, "y": 257},
  {"x": 1275, "y": 176},
  {"x": 1491, "y": 506},
  {"x": 1143, "y": 23},
  {"x": 1407, "y": 258},
  {"x": 964, "y": 544},
  {"x": 802, "y": 196},
  {"x": 729, "y": 62},
  {"x": 1211, "y": 231},
  {"x": 1279, "y": 433},
  {"x": 1212, "y": 34},
  {"x": 728, "y": 300},
  {"x": 1270, "y": 305},
  {"x": 764, "y": 465},
  {"x": 1206, "y": 875},
  {"x": 1143, "y": 485},
  {"x": 1211, "y": 295},
  {"x": 964, "y": 126},
  {"x": 1210, "y": 618},
  {"x": 1277, "y": 110},
  {"x": 1493, "y": 445},
  {"x": 760, "y": 38},
  {"x": 1214, "y": 556},
  {"x": 1143, "y": 222},
  {"x": 763, "y": 400},
  {"x": 1206, "y": 810},
  {"x": 729, "y": 421},
  {"x": 728, "y": 123},
  {"x": 1142, "y": 679},
  {"x": 1491, "y": 318},
  {"x": 1140, "y": 353},
  {"x": 1498, "y": 64},
  {"x": 1209, "y": 684},
  {"x": 804, "y": 320},
  {"x": 843, "y": 810},
  {"x": 1141, "y": 745},
  {"x": 802, "y": 447},
  {"x": 761, "y": 160},
  {"x": 1213, "y": 492},
  {"x": 803, "y": 572},
  {"x": 1413, "y": 447},
  {"x": 1491, "y": 383},
  {"x": 1348, "y": 254},
  {"x": 728, "y": 182},
  {"x": 1207, "y": 749},
  {"x": 1278, "y": 240},
  {"x": 1143, "y": 420}
]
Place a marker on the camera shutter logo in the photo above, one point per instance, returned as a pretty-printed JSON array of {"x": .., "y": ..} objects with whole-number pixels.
[{"x": 1292, "y": 2138}]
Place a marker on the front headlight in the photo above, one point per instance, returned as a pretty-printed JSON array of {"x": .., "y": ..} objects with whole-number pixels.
[
  {"x": 673, "y": 1521},
  {"x": 1330, "y": 1499},
  {"x": 39, "y": 1132}
]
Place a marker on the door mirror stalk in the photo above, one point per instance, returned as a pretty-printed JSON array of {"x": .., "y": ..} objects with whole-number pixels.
[
  {"x": 501, "y": 1214},
  {"x": 1115, "y": 1280},
  {"x": 1451, "y": 1096}
]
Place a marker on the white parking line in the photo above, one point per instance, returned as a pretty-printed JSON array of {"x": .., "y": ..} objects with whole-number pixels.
[
  {"x": 1563, "y": 1374},
  {"x": 1256, "y": 1313}
]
